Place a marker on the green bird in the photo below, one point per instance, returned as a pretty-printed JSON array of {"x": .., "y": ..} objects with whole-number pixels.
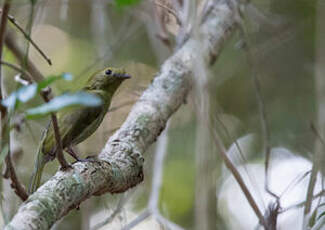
[{"x": 78, "y": 124}]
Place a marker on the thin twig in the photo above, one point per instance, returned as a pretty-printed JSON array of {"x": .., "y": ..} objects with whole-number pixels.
[
  {"x": 295, "y": 182},
  {"x": 157, "y": 176},
  {"x": 242, "y": 155},
  {"x": 59, "y": 151},
  {"x": 144, "y": 215},
  {"x": 313, "y": 176},
  {"x": 120, "y": 41},
  {"x": 29, "y": 30},
  {"x": 109, "y": 219},
  {"x": 3, "y": 26},
  {"x": 37, "y": 76},
  {"x": 64, "y": 164},
  {"x": 238, "y": 178},
  {"x": 27, "y": 75},
  {"x": 11, "y": 43},
  {"x": 19, "y": 189},
  {"x": 261, "y": 105},
  {"x": 152, "y": 207},
  {"x": 317, "y": 134},
  {"x": 16, "y": 24},
  {"x": 171, "y": 11},
  {"x": 170, "y": 225},
  {"x": 265, "y": 130},
  {"x": 15, "y": 184},
  {"x": 271, "y": 214},
  {"x": 302, "y": 203}
]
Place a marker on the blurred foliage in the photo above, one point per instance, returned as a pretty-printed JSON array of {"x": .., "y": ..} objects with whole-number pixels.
[
  {"x": 126, "y": 2},
  {"x": 177, "y": 192},
  {"x": 26, "y": 93},
  {"x": 67, "y": 32},
  {"x": 64, "y": 101}
]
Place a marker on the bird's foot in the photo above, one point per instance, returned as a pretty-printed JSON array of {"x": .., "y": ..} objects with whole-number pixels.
[
  {"x": 87, "y": 159},
  {"x": 66, "y": 167},
  {"x": 78, "y": 159}
]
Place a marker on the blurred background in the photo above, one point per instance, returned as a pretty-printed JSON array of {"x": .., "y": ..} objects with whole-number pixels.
[{"x": 286, "y": 41}]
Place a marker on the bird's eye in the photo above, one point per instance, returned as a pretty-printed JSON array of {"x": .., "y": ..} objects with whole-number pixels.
[{"x": 108, "y": 72}]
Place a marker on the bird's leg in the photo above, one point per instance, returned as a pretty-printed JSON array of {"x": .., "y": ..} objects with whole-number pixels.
[{"x": 72, "y": 153}]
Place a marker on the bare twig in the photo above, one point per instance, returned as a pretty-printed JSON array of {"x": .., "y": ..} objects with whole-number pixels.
[
  {"x": 302, "y": 203},
  {"x": 3, "y": 26},
  {"x": 239, "y": 179},
  {"x": 152, "y": 208},
  {"x": 209, "y": 122},
  {"x": 144, "y": 215},
  {"x": 15, "y": 183},
  {"x": 317, "y": 134},
  {"x": 16, "y": 24},
  {"x": 29, "y": 30},
  {"x": 11, "y": 43},
  {"x": 59, "y": 151},
  {"x": 167, "y": 223},
  {"x": 314, "y": 171},
  {"x": 123, "y": 35},
  {"x": 37, "y": 76},
  {"x": 319, "y": 85},
  {"x": 295, "y": 182},
  {"x": 10, "y": 171},
  {"x": 271, "y": 215},
  {"x": 158, "y": 166},
  {"x": 64, "y": 164},
  {"x": 242, "y": 155},
  {"x": 205, "y": 154},
  {"x": 169, "y": 10},
  {"x": 263, "y": 116},
  {"x": 265, "y": 129},
  {"x": 26, "y": 74},
  {"x": 116, "y": 211}
]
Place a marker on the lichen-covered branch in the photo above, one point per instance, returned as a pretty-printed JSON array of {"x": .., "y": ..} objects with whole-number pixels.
[{"x": 120, "y": 163}]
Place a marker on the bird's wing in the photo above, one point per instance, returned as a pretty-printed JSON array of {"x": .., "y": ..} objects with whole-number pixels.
[
  {"x": 74, "y": 126},
  {"x": 87, "y": 122}
]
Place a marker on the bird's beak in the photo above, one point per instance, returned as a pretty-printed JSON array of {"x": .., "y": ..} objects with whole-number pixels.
[
  {"x": 123, "y": 75},
  {"x": 126, "y": 76}
]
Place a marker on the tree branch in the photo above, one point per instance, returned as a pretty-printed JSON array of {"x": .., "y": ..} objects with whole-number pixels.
[
  {"x": 120, "y": 162},
  {"x": 10, "y": 41},
  {"x": 28, "y": 38}
]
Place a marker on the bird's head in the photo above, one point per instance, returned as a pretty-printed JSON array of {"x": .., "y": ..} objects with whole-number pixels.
[{"x": 107, "y": 79}]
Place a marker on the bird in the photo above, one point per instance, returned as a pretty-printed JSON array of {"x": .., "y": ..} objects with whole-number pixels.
[{"x": 76, "y": 125}]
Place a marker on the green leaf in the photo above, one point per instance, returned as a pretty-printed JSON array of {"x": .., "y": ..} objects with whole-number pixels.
[
  {"x": 49, "y": 80},
  {"x": 23, "y": 94},
  {"x": 10, "y": 101},
  {"x": 322, "y": 214},
  {"x": 312, "y": 219},
  {"x": 121, "y": 3},
  {"x": 64, "y": 101},
  {"x": 26, "y": 93}
]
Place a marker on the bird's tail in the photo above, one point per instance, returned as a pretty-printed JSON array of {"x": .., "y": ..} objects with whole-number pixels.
[{"x": 37, "y": 173}]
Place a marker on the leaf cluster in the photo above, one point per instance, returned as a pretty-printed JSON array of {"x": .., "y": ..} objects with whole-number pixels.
[{"x": 25, "y": 93}]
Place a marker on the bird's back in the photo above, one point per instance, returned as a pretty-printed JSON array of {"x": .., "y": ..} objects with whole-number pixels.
[{"x": 74, "y": 127}]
